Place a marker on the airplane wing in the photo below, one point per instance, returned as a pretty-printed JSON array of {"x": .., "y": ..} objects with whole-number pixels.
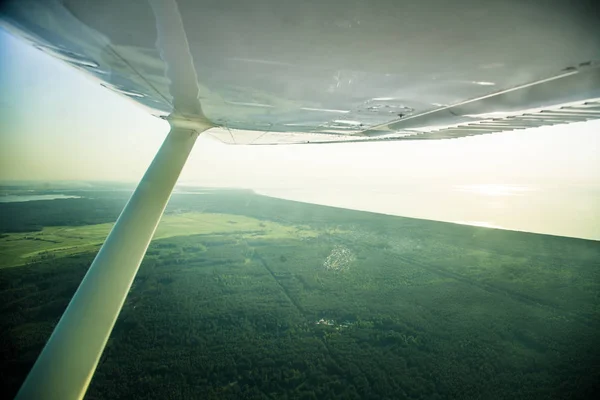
[
  {"x": 328, "y": 71},
  {"x": 282, "y": 72}
]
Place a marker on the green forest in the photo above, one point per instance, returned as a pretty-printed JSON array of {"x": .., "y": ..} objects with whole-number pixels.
[{"x": 242, "y": 296}]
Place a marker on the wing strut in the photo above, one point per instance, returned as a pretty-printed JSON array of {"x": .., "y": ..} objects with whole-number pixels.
[{"x": 67, "y": 363}]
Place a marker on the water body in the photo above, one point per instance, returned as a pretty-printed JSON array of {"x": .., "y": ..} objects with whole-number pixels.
[
  {"x": 11, "y": 198},
  {"x": 561, "y": 210}
]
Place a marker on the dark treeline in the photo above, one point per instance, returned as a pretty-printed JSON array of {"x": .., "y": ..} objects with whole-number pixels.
[{"x": 34, "y": 215}]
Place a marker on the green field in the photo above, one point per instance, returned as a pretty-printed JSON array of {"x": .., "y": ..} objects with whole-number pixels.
[{"x": 58, "y": 241}]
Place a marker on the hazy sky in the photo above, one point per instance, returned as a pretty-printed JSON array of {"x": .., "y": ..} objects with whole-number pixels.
[{"x": 56, "y": 124}]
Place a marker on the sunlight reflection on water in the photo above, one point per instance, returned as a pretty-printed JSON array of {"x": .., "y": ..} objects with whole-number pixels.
[
  {"x": 563, "y": 210},
  {"x": 496, "y": 189},
  {"x": 483, "y": 224}
]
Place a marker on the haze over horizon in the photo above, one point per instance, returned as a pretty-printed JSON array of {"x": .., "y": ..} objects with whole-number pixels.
[{"x": 61, "y": 126}]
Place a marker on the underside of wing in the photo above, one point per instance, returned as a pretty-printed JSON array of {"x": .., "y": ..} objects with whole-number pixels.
[{"x": 280, "y": 72}]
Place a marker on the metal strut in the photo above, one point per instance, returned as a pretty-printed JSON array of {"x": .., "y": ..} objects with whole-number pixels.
[{"x": 65, "y": 367}]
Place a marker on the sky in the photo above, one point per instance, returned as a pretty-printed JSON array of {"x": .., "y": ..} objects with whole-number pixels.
[{"x": 57, "y": 124}]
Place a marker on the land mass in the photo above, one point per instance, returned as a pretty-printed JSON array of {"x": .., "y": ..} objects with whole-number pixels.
[{"x": 244, "y": 296}]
